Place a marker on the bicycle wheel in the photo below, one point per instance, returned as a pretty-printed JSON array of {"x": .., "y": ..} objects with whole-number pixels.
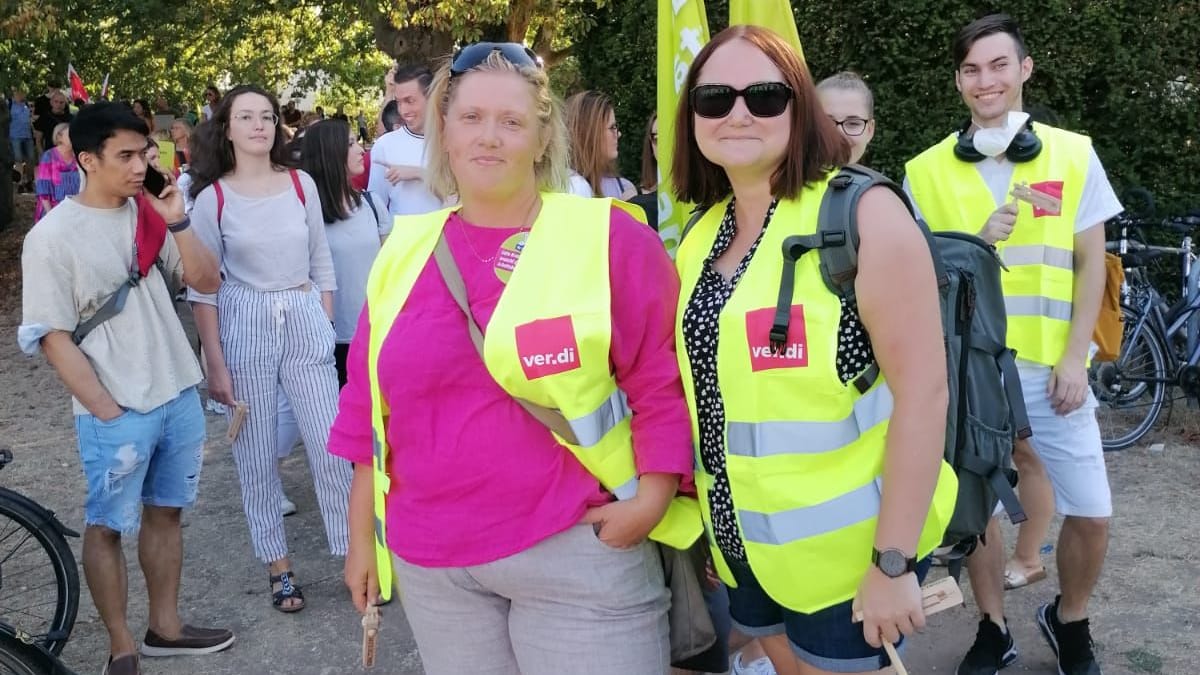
[
  {"x": 39, "y": 580},
  {"x": 1131, "y": 390},
  {"x": 18, "y": 658}
]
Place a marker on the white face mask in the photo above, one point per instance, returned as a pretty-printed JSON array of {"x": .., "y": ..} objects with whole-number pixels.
[{"x": 993, "y": 141}]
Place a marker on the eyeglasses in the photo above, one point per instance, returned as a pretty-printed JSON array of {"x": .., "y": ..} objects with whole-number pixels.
[
  {"x": 472, "y": 55},
  {"x": 614, "y": 128},
  {"x": 763, "y": 99},
  {"x": 267, "y": 119},
  {"x": 851, "y": 126}
]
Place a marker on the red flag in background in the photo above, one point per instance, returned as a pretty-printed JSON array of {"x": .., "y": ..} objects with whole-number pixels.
[{"x": 77, "y": 90}]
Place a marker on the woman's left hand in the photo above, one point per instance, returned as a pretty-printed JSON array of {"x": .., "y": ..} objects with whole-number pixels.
[
  {"x": 625, "y": 524},
  {"x": 890, "y": 607}
]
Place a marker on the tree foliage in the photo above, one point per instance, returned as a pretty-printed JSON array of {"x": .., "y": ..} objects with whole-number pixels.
[{"x": 176, "y": 48}]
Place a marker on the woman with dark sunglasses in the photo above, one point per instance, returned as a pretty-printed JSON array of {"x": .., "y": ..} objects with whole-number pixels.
[
  {"x": 518, "y": 549},
  {"x": 825, "y": 489}
]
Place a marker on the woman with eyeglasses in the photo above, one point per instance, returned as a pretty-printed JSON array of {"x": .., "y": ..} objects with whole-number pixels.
[
  {"x": 821, "y": 482},
  {"x": 592, "y": 127},
  {"x": 271, "y": 323},
  {"x": 849, "y": 103},
  {"x": 509, "y": 547}
]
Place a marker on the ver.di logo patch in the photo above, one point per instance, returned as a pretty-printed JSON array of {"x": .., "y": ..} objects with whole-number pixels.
[
  {"x": 758, "y": 334},
  {"x": 547, "y": 347}
]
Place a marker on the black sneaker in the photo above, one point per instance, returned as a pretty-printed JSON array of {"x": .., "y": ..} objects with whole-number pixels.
[
  {"x": 1071, "y": 642},
  {"x": 191, "y": 640},
  {"x": 992, "y": 650}
]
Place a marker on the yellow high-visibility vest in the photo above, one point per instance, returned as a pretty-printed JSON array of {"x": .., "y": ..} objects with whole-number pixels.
[
  {"x": 803, "y": 451},
  {"x": 1039, "y": 285},
  {"x": 547, "y": 342}
]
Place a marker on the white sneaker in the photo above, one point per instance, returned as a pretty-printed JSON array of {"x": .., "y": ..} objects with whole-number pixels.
[
  {"x": 288, "y": 506},
  {"x": 757, "y": 667}
]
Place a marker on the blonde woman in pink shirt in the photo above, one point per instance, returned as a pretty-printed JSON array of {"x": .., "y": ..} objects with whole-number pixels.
[{"x": 510, "y": 556}]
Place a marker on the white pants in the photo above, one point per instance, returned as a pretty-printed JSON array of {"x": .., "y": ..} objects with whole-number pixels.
[{"x": 273, "y": 340}]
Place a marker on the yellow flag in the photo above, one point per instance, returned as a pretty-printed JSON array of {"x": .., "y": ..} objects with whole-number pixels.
[
  {"x": 682, "y": 32},
  {"x": 774, "y": 14}
]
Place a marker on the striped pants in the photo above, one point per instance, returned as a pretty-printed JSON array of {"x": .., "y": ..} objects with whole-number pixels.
[{"x": 273, "y": 340}]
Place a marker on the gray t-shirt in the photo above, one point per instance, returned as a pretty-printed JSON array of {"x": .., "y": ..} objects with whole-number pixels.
[
  {"x": 354, "y": 243},
  {"x": 73, "y": 260},
  {"x": 266, "y": 243}
]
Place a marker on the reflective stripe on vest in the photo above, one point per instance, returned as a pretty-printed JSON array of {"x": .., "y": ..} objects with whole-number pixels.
[
  {"x": 784, "y": 527},
  {"x": 763, "y": 439},
  {"x": 591, "y": 428},
  {"x": 1039, "y": 255},
  {"x": 1036, "y": 306}
]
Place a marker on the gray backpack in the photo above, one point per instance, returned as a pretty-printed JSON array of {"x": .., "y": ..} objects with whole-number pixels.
[{"x": 987, "y": 409}]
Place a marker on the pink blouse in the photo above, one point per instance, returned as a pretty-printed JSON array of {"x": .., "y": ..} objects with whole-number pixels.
[{"x": 475, "y": 478}]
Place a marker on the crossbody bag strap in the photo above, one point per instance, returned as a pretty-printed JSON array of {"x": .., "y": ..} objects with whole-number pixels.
[{"x": 551, "y": 419}]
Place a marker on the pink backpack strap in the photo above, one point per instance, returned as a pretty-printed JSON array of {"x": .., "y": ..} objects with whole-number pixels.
[
  {"x": 296, "y": 184},
  {"x": 220, "y": 200}
]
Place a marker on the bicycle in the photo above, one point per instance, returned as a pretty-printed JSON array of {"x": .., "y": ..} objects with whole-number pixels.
[
  {"x": 1161, "y": 345},
  {"x": 39, "y": 579},
  {"x": 21, "y": 657}
]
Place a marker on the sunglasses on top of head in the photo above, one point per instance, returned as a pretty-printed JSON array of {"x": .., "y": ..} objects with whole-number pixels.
[
  {"x": 472, "y": 55},
  {"x": 763, "y": 99}
]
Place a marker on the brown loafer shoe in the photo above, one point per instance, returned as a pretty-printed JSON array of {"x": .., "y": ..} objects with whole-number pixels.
[
  {"x": 191, "y": 640},
  {"x": 126, "y": 664}
]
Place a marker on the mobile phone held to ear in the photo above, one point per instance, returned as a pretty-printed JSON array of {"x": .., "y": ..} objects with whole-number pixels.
[{"x": 154, "y": 182}]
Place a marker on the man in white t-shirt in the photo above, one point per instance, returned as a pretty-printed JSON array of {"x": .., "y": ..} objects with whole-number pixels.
[
  {"x": 1052, "y": 241},
  {"x": 398, "y": 157},
  {"x": 132, "y": 375}
]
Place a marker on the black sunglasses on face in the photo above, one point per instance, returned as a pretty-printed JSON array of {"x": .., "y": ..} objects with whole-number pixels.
[
  {"x": 763, "y": 99},
  {"x": 472, "y": 55}
]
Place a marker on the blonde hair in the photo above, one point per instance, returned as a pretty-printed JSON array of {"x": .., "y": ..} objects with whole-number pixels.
[
  {"x": 848, "y": 80},
  {"x": 551, "y": 169},
  {"x": 587, "y": 124},
  {"x": 60, "y": 129},
  {"x": 161, "y": 135}
]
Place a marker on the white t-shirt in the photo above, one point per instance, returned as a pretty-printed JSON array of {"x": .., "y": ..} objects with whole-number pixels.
[
  {"x": 1097, "y": 203},
  {"x": 73, "y": 259},
  {"x": 610, "y": 186},
  {"x": 206, "y": 111},
  {"x": 408, "y": 197}
]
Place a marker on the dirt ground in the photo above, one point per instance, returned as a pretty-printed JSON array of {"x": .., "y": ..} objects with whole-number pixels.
[{"x": 1144, "y": 614}]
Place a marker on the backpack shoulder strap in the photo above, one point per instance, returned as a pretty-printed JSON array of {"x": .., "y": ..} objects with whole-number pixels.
[
  {"x": 296, "y": 184},
  {"x": 371, "y": 203},
  {"x": 697, "y": 214},
  {"x": 220, "y": 200},
  {"x": 839, "y": 214},
  {"x": 110, "y": 308}
]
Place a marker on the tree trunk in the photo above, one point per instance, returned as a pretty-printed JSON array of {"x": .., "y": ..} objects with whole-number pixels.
[{"x": 410, "y": 44}]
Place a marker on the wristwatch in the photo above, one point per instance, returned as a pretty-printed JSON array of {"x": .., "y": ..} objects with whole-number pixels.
[{"x": 892, "y": 562}]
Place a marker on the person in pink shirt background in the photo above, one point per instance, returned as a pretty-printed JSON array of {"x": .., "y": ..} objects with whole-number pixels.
[{"x": 489, "y": 518}]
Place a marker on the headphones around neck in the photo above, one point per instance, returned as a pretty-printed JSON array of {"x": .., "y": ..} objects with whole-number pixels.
[{"x": 1025, "y": 145}]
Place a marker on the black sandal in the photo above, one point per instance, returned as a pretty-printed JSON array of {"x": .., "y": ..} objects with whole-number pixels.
[{"x": 288, "y": 590}]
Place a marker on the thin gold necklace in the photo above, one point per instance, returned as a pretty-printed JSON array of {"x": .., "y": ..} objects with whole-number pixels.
[{"x": 528, "y": 220}]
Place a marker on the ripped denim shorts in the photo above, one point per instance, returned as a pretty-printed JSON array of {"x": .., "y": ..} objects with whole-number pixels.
[{"x": 151, "y": 458}]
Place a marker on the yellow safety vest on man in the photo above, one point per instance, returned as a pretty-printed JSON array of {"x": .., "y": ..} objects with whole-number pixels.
[
  {"x": 547, "y": 342},
  {"x": 803, "y": 451},
  {"x": 1039, "y": 285}
]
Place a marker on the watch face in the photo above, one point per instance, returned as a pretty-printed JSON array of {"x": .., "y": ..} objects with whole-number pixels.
[{"x": 893, "y": 563}]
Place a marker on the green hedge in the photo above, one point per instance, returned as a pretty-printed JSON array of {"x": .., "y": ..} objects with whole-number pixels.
[
  {"x": 618, "y": 58},
  {"x": 1125, "y": 72}
]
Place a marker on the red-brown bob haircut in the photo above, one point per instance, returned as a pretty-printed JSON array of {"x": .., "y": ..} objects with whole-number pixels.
[{"x": 815, "y": 146}]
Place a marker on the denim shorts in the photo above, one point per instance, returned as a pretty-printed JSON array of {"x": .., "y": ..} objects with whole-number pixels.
[
  {"x": 151, "y": 458},
  {"x": 828, "y": 639},
  {"x": 22, "y": 149}
]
